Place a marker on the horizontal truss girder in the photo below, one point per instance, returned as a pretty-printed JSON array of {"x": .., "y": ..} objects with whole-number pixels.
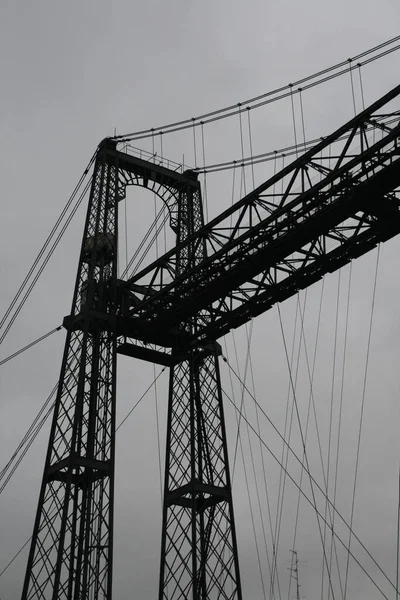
[{"x": 272, "y": 243}]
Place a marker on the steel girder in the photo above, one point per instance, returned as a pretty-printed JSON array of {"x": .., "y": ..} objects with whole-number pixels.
[{"x": 330, "y": 205}]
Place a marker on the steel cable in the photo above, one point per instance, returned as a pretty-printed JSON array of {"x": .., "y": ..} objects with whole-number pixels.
[
  {"x": 292, "y": 150},
  {"x": 28, "y": 433},
  {"x": 42, "y": 266},
  {"x": 311, "y": 403},
  {"x": 282, "y": 479},
  {"x": 239, "y": 445},
  {"x": 247, "y": 369},
  {"x": 361, "y": 417},
  {"x": 30, "y": 345},
  {"x": 341, "y": 405},
  {"x": 332, "y": 395},
  {"x": 295, "y": 456},
  {"x": 310, "y": 501},
  {"x": 303, "y": 443},
  {"x": 249, "y": 337},
  {"x": 263, "y": 99},
  {"x": 287, "y": 434},
  {"x": 308, "y": 416},
  {"x": 46, "y": 244}
]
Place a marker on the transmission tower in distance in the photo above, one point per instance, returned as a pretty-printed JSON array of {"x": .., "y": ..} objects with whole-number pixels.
[{"x": 294, "y": 572}]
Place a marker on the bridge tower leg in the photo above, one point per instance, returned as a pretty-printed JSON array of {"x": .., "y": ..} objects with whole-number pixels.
[
  {"x": 199, "y": 554},
  {"x": 71, "y": 549},
  {"x": 199, "y": 558}
]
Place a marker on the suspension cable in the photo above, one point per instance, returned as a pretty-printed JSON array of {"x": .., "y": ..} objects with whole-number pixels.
[
  {"x": 332, "y": 395},
  {"x": 47, "y": 242},
  {"x": 140, "y": 399},
  {"x": 247, "y": 369},
  {"x": 346, "y": 327},
  {"x": 28, "y": 439},
  {"x": 244, "y": 191},
  {"x": 294, "y": 121},
  {"x": 194, "y": 147},
  {"x": 292, "y": 149},
  {"x": 30, "y": 345},
  {"x": 239, "y": 445},
  {"x": 310, "y": 501},
  {"x": 282, "y": 480},
  {"x": 352, "y": 86},
  {"x": 287, "y": 435},
  {"x": 15, "y": 556},
  {"x": 361, "y": 416},
  {"x": 314, "y": 481},
  {"x": 158, "y": 228},
  {"x": 251, "y": 148},
  {"x": 268, "y": 97},
  {"x": 252, "y": 516},
  {"x": 303, "y": 127},
  {"x": 312, "y": 403},
  {"x": 158, "y": 432},
  {"x": 205, "y": 191},
  {"x": 308, "y": 412},
  {"x": 154, "y": 375},
  {"x": 361, "y": 88},
  {"x": 43, "y": 265},
  {"x": 249, "y": 337}
]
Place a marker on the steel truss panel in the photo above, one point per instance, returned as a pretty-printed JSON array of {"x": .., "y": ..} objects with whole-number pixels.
[{"x": 330, "y": 205}]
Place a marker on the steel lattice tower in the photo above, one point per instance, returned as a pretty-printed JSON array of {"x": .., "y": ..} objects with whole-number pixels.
[
  {"x": 331, "y": 207},
  {"x": 198, "y": 555},
  {"x": 71, "y": 549}
]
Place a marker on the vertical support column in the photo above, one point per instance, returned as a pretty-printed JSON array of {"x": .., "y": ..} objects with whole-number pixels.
[
  {"x": 71, "y": 550},
  {"x": 199, "y": 558}
]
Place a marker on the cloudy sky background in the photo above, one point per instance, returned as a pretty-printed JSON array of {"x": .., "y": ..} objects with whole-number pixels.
[{"x": 72, "y": 74}]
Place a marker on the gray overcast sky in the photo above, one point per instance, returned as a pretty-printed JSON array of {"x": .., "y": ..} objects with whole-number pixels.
[{"x": 73, "y": 72}]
